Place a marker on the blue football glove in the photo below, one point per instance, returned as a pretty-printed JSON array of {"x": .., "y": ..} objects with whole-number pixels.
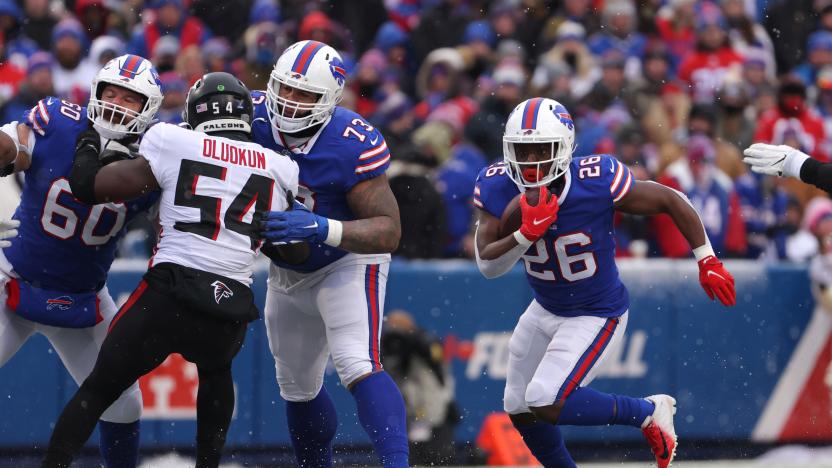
[{"x": 296, "y": 225}]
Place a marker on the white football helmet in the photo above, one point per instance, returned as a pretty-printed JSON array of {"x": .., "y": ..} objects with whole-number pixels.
[
  {"x": 539, "y": 120},
  {"x": 310, "y": 66},
  {"x": 132, "y": 72}
]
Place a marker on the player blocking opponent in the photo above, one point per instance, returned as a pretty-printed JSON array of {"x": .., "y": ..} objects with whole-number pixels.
[
  {"x": 331, "y": 304},
  {"x": 195, "y": 298},
  {"x": 52, "y": 276},
  {"x": 580, "y": 306}
]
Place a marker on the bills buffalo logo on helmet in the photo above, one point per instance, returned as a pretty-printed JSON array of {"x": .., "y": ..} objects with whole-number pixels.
[
  {"x": 336, "y": 66},
  {"x": 221, "y": 291},
  {"x": 60, "y": 303},
  {"x": 565, "y": 118}
]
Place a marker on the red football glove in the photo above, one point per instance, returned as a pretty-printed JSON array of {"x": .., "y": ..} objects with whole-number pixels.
[
  {"x": 538, "y": 218},
  {"x": 716, "y": 281}
]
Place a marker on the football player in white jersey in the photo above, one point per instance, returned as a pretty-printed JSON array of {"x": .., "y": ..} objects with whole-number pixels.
[
  {"x": 332, "y": 303},
  {"x": 195, "y": 298}
]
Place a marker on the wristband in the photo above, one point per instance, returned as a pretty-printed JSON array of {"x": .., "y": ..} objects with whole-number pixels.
[
  {"x": 336, "y": 229},
  {"x": 521, "y": 239},
  {"x": 703, "y": 251}
]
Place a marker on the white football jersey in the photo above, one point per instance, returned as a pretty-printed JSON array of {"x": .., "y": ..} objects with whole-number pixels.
[{"x": 214, "y": 190}]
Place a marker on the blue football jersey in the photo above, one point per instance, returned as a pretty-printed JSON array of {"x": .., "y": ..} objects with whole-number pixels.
[
  {"x": 572, "y": 268},
  {"x": 63, "y": 244},
  {"x": 346, "y": 151}
]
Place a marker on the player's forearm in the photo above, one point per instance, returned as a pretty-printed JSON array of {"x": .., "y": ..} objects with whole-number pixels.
[
  {"x": 687, "y": 220},
  {"x": 379, "y": 234},
  {"x": 493, "y": 264},
  {"x": 817, "y": 173}
]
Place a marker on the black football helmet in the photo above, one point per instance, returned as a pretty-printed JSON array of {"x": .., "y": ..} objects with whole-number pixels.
[{"x": 219, "y": 102}]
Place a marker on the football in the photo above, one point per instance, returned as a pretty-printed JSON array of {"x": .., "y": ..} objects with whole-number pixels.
[{"x": 512, "y": 216}]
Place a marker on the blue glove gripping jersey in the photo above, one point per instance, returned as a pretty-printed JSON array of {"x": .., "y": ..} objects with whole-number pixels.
[
  {"x": 62, "y": 244},
  {"x": 571, "y": 269},
  {"x": 345, "y": 152}
]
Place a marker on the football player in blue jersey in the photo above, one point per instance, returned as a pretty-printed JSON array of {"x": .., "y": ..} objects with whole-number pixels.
[
  {"x": 52, "y": 276},
  {"x": 332, "y": 302},
  {"x": 580, "y": 306}
]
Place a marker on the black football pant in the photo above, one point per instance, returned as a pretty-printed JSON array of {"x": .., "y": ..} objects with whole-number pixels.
[{"x": 149, "y": 327}]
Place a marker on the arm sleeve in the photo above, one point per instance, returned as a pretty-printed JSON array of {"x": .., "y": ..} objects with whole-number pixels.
[
  {"x": 817, "y": 173},
  {"x": 501, "y": 265}
]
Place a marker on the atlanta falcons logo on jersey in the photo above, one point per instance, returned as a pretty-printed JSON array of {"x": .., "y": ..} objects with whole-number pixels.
[{"x": 221, "y": 291}]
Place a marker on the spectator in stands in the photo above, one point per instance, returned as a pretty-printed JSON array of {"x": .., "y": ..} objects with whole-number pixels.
[
  {"x": 479, "y": 42},
  {"x": 619, "y": 33},
  {"x": 367, "y": 81},
  {"x": 174, "y": 90},
  {"x": 705, "y": 69},
  {"x": 712, "y": 194},
  {"x": 190, "y": 65},
  {"x": 11, "y": 75},
  {"x": 104, "y": 49},
  {"x": 703, "y": 120},
  {"x": 71, "y": 74},
  {"x": 171, "y": 18},
  {"x": 745, "y": 35},
  {"x": 570, "y": 48},
  {"x": 94, "y": 16},
  {"x": 734, "y": 125},
  {"x": 165, "y": 53},
  {"x": 420, "y": 205},
  {"x": 793, "y": 122},
  {"x": 228, "y": 18},
  {"x": 442, "y": 25},
  {"x": 790, "y": 22},
  {"x": 36, "y": 86},
  {"x": 438, "y": 80},
  {"x": 485, "y": 129},
  {"x": 764, "y": 204},
  {"x": 820, "y": 55},
  {"x": 39, "y": 22},
  {"x": 264, "y": 41},
  {"x": 19, "y": 47},
  {"x": 675, "y": 23},
  {"x": 217, "y": 54},
  {"x": 416, "y": 362}
]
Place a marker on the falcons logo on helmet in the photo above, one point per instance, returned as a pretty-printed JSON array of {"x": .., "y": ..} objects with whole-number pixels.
[{"x": 221, "y": 291}]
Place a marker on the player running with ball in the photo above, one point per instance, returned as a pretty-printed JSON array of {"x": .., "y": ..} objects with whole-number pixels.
[{"x": 580, "y": 306}]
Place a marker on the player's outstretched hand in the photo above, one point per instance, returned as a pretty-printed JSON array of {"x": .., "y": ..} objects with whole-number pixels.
[
  {"x": 538, "y": 218},
  {"x": 716, "y": 281},
  {"x": 8, "y": 229},
  {"x": 779, "y": 160},
  {"x": 296, "y": 225}
]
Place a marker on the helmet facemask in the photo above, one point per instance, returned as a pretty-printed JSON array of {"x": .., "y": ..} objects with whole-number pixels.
[
  {"x": 289, "y": 116},
  {"x": 133, "y": 73},
  {"x": 114, "y": 121},
  {"x": 542, "y": 171}
]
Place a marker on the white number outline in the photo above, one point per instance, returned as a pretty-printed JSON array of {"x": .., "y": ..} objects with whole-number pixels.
[
  {"x": 51, "y": 207},
  {"x": 542, "y": 255}
]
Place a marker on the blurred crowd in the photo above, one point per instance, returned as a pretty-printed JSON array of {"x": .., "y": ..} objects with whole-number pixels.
[{"x": 676, "y": 89}]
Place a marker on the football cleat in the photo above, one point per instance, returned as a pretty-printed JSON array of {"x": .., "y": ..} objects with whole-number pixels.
[{"x": 658, "y": 429}]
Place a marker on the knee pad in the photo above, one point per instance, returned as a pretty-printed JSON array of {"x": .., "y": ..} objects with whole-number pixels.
[
  {"x": 514, "y": 402},
  {"x": 539, "y": 395},
  {"x": 128, "y": 407},
  {"x": 297, "y": 389},
  {"x": 349, "y": 370}
]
